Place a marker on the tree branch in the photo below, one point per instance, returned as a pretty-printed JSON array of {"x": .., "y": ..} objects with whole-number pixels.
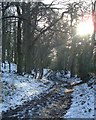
[{"x": 51, "y": 24}]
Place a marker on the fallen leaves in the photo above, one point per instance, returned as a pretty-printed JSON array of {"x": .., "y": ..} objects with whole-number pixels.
[{"x": 68, "y": 90}]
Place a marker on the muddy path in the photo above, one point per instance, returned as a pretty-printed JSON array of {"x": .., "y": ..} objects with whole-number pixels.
[{"x": 52, "y": 104}]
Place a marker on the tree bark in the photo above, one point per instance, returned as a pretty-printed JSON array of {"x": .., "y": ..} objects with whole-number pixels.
[{"x": 19, "y": 52}]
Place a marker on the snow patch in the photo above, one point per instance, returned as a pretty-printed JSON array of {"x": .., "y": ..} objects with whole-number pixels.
[
  {"x": 82, "y": 102},
  {"x": 19, "y": 89}
]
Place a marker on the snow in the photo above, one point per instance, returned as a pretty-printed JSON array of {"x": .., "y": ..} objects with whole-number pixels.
[
  {"x": 68, "y": 75},
  {"x": 19, "y": 89},
  {"x": 45, "y": 71},
  {"x": 82, "y": 102},
  {"x": 63, "y": 75},
  {"x": 5, "y": 67},
  {"x": 72, "y": 80}
]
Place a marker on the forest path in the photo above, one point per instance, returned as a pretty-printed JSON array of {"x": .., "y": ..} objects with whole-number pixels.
[{"x": 50, "y": 105}]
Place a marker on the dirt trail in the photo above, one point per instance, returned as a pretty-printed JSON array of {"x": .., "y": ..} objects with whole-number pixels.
[{"x": 52, "y": 104}]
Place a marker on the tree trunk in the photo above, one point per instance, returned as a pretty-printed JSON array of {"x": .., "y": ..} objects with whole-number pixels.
[
  {"x": 35, "y": 70},
  {"x": 19, "y": 52},
  {"x": 41, "y": 73},
  {"x": 3, "y": 37}
]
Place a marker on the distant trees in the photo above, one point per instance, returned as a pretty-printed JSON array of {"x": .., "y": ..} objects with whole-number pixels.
[
  {"x": 74, "y": 53},
  {"x": 35, "y": 36},
  {"x": 32, "y": 20}
]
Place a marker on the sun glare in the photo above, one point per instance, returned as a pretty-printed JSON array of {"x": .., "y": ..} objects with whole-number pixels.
[{"x": 85, "y": 28}]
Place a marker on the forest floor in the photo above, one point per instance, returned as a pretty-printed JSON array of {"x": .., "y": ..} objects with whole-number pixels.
[{"x": 56, "y": 98}]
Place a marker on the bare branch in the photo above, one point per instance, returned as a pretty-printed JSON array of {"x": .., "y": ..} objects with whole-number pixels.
[{"x": 51, "y": 24}]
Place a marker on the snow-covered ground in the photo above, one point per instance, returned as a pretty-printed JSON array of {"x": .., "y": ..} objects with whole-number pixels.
[
  {"x": 18, "y": 89},
  {"x": 83, "y": 97},
  {"x": 82, "y": 102}
]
